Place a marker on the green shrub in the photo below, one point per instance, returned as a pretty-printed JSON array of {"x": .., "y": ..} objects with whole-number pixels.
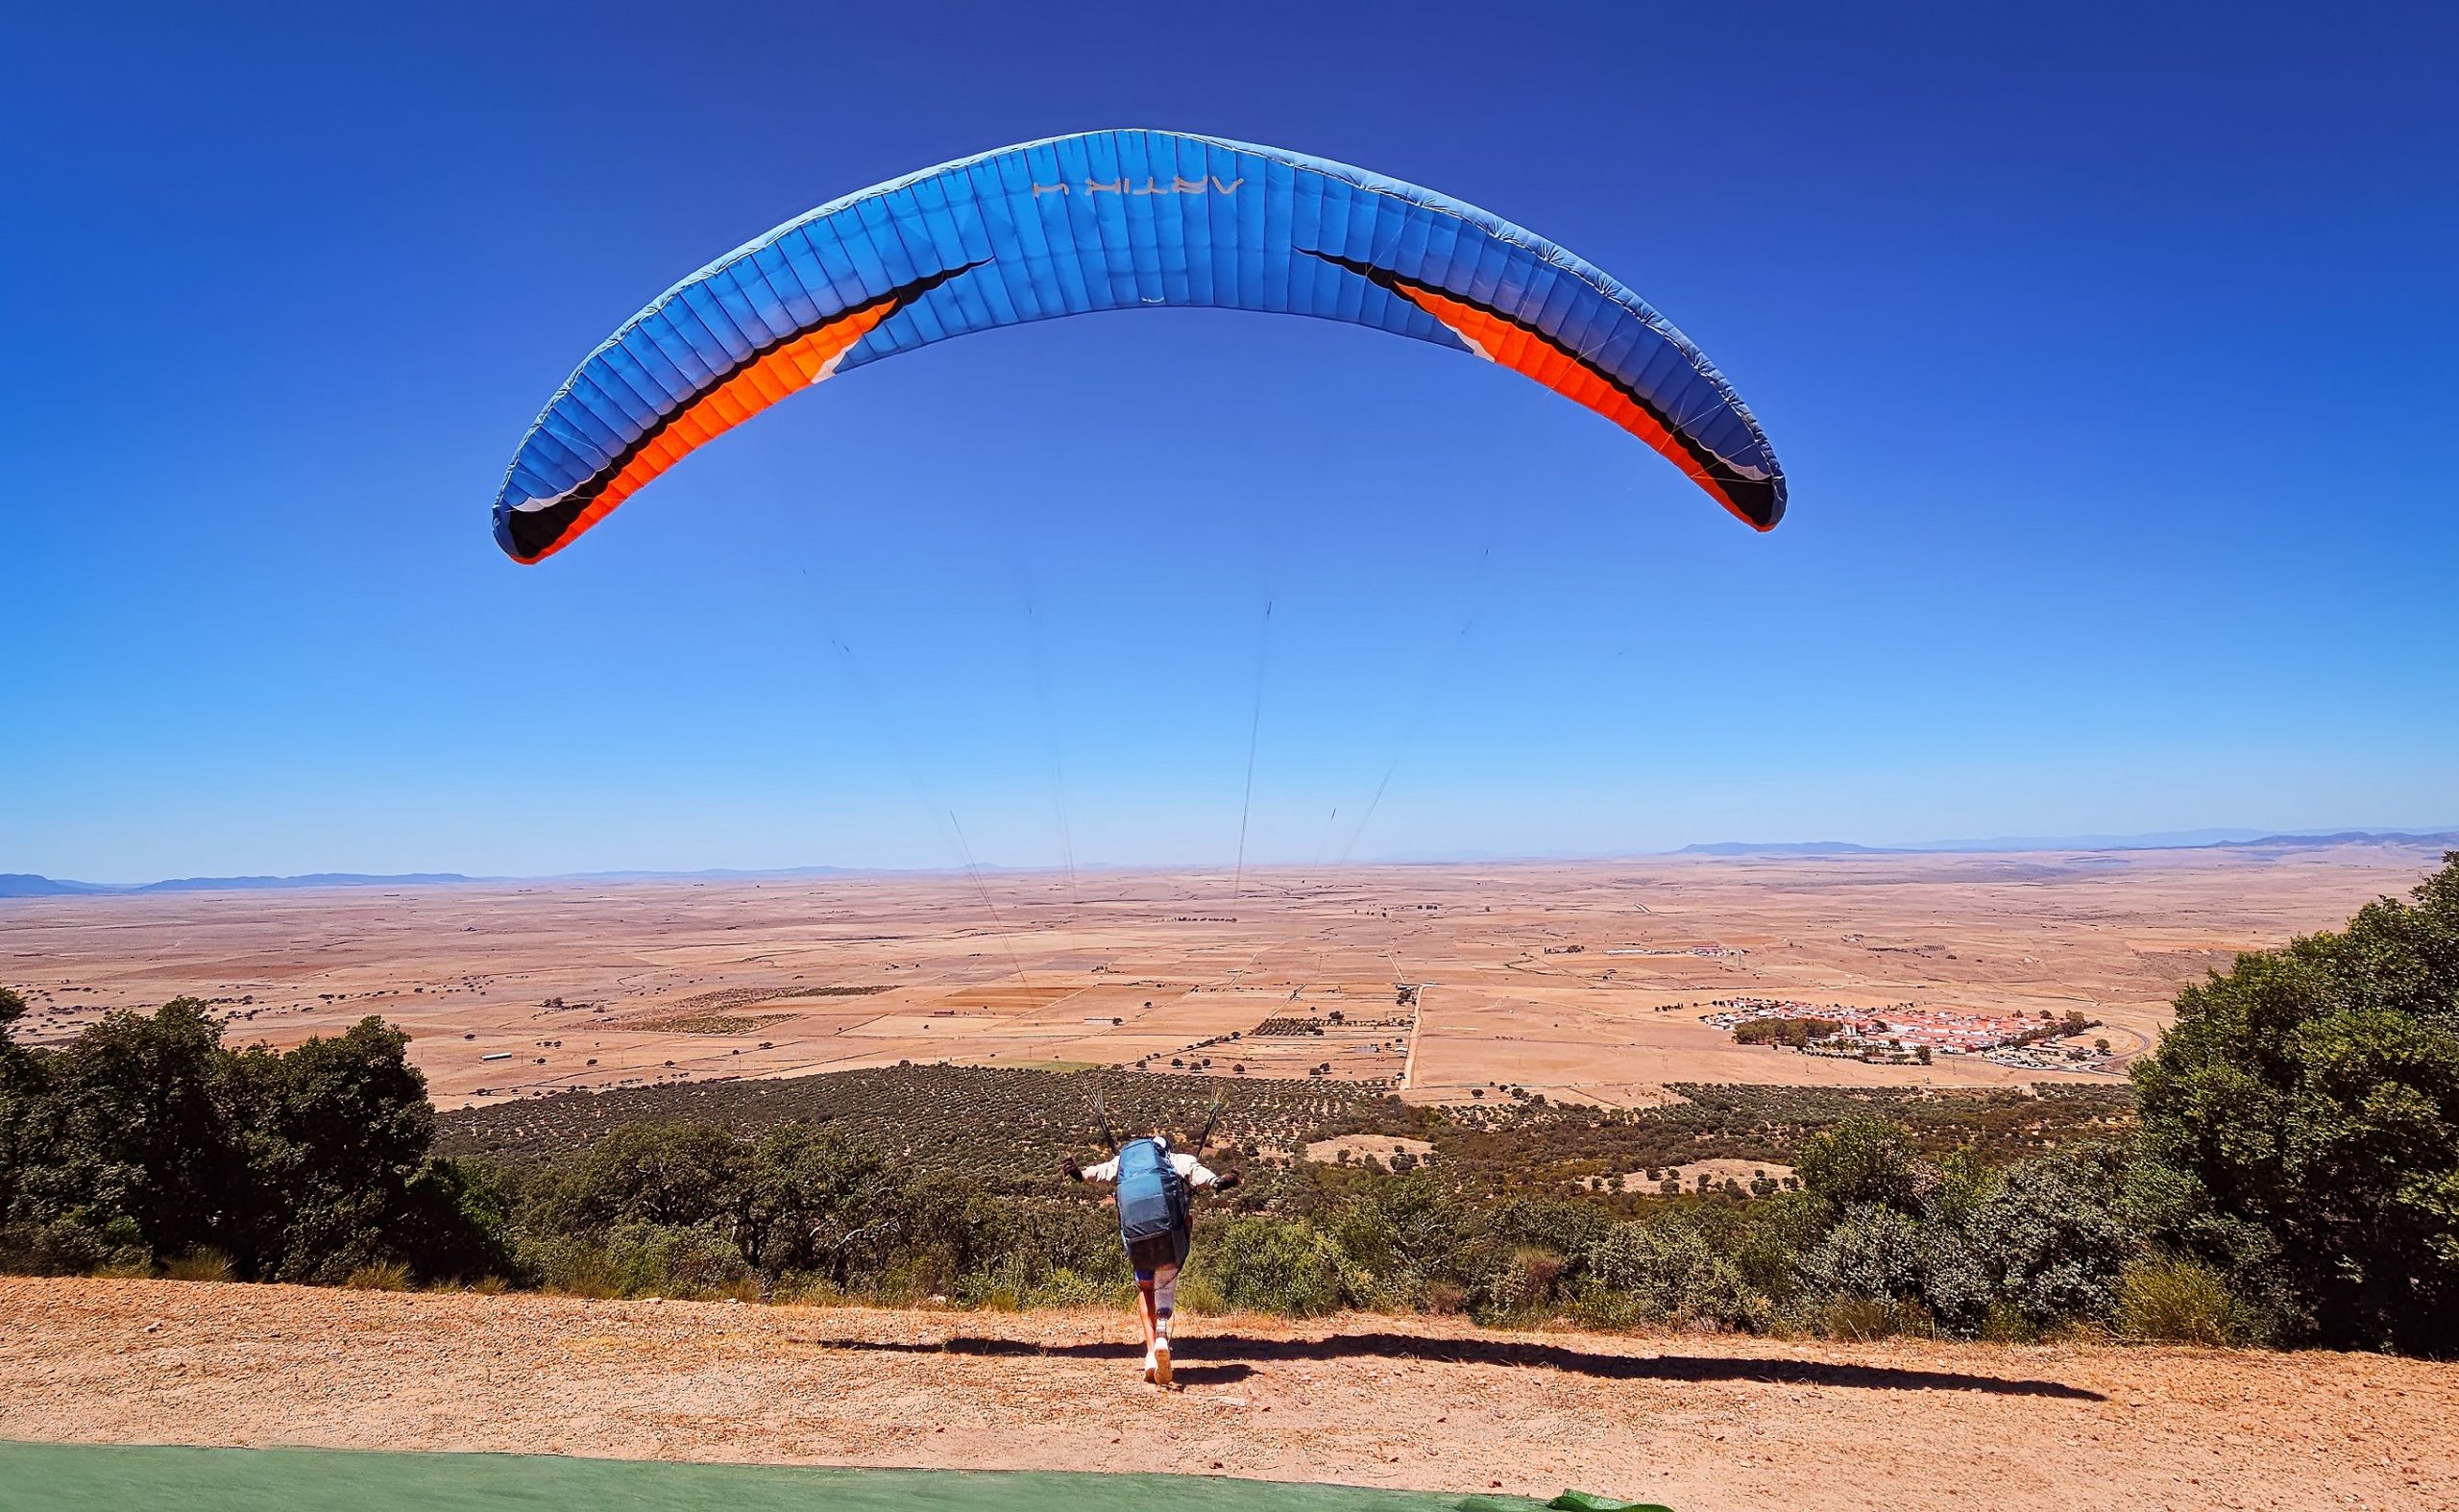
[
  {"x": 1406, "y": 1232},
  {"x": 1640, "y": 1272},
  {"x": 668, "y": 1175},
  {"x": 988, "y": 1297},
  {"x": 1025, "y": 1279},
  {"x": 1068, "y": 1288},
  {"x": 389, "y": 1276},
  {"x": 1776, "y": 1232},
  {"x": 679, "y": 1260},
  {"x": 2183, "y": 1302},
  {"x": 1287, "y": 1266},
  {"x": 570, "y": 1264},
  {"x": 1525, "y": 1286},
  {"x": 2043, "y": 1242},
  {"x": 1873, "y": 1255},
  {"x": 1197, "y": 1296},
  {"x": 1863, "y": 1160},
  {"x": 1864, "y": 1319},
  {"x": 206, "y": 1264},
  {"x": 1665, "y": 1269},
  {"x": 2005, "y": 1323},
  {"x": 906, "y": 1283}
]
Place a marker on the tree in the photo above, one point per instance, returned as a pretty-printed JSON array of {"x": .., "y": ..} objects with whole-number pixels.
[
  {"x": 456, "y": 1222},
  {"x": 24, "y": 1106},
  {"x": 143, "y": 1147},
  {"x": 1862, "y": 1159},
  {"x": 2301, "y": 1126},
  {"x": 809, "y": 1201},
  {"x": 146, "y": 1138},
  {"x": 341, "y": 1128}
]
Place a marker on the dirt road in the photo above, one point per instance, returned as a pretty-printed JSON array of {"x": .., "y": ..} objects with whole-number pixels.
[{"x": 1696, "y": 1421}]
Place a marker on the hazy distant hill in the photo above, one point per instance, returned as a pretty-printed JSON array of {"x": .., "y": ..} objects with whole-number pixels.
[
  {"x": 26, "y": 885},
  {"x": 1797, "y": 847},
  {"x": 312, "y": 879},
  {"x": 2188, "y": 839},
  {"x": 2398, "y": 838}
]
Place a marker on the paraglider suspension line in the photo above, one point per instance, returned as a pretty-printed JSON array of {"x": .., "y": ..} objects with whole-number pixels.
[
  {"x": 1255, "y": 729},
  {"x": 1006, "y": 939}
]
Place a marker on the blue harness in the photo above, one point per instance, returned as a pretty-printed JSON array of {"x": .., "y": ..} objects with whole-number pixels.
[{"x": 1154, "y": 1222}]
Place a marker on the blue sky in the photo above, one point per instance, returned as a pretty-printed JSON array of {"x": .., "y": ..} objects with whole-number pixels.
[{"x": 2109, "y": 357}]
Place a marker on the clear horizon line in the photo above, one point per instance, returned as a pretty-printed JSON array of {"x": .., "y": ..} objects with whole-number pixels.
[{"x": 2215, "y": 837}]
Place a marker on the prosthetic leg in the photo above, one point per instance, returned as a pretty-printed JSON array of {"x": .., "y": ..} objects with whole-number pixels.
[{"x": 1156, "y": 1292}]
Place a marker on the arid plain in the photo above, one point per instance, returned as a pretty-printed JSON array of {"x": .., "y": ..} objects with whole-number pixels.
[{"x": 513, "y": 989}]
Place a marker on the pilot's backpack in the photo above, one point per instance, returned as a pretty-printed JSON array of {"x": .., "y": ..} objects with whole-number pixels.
[{"x": 1152, "y": 1206}]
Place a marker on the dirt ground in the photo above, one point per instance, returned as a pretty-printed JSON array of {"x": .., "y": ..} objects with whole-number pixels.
[
  {"x": 1584, "y": 982},
  {"x": 1699, "y": 1423}
]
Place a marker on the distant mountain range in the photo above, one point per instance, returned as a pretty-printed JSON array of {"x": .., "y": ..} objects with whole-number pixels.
[
  {"x": 2438, "y": 839},
  {"x": 2183, "y": 839},
  {"x": 1789, "y": 847},
  {"x": 26, "y": 885}
]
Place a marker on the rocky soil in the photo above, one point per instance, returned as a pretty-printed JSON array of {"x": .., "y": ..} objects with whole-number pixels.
[{"x": 1693, "y": 1421}]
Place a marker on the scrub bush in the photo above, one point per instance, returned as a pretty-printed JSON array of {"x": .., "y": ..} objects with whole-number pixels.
[
  {"x": 390, "y": 1276},
  {"x": 679, "y": 1260},
  {"x": 1668, "y": 1270},
  {"x": 199, "y": 1265},
  {"x": 1873, "y": 1255},
  {"x": 1523, "y": 1288},
  {"x": 2045, "y": 1245},
  {"x": 1863, "y": 1160},
  {"x": 2183, "y": 1302},
  {"x": 1286, "y": 1266}
]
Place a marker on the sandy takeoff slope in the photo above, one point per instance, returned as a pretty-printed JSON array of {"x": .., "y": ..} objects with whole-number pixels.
[{"x": 1699, "y": 1423}]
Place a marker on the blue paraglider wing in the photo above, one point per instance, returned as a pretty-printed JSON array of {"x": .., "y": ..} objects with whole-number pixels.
[{"x": 1112, "y": 220}]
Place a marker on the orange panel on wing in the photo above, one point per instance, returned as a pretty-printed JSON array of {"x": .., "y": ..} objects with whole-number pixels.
[
  {"x": 797, "y": 364},
  {"x": 1515, "y": 347}
]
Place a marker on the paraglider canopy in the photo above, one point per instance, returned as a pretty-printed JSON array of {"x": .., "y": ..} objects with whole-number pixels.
[{"x": 1113, "y": 220}]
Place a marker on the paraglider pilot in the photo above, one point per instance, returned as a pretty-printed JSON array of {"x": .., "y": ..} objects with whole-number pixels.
[{"x": 1155, "y": 1222}]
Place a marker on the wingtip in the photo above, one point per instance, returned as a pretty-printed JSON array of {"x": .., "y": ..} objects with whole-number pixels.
[{"x": 503, "y": 526}]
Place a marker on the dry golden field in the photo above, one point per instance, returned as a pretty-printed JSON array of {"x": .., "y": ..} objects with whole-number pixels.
[{"x": 513, "y": 989}]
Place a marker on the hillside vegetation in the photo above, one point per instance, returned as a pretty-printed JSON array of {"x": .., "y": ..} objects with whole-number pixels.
[
  {"x": 1006, "y": 1128},
  {"x": 2293, "y": 1176}
]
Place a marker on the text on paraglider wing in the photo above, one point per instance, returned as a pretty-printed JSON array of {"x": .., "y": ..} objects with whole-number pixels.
[{"x": 1149, "y": 186}]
